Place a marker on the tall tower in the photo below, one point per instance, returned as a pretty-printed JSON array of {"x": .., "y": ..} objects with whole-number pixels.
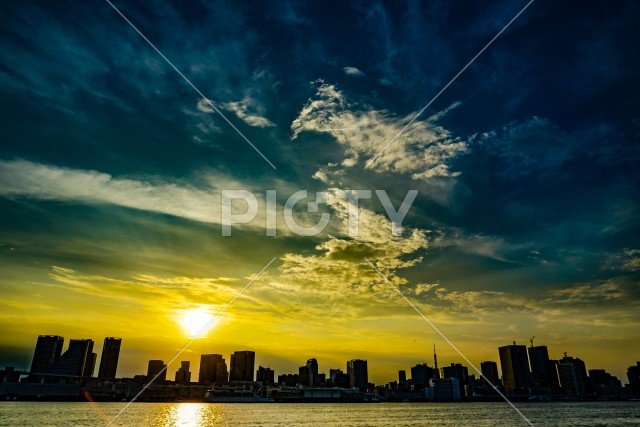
[
  {"x": 242, "y": 366},
  {"x": 109, "y": 359},
  {"x": 358, "y": 375},
  {"x": 435, "y": 363},
  {"x": 183, "y": 375},
  {"x": 490, "y": 377},
  {"x": 515, "y": 369},
  {"x": 540, "y": 366},
  {"x": 213, "y": 369},
  {"x": 48, "y": 349},
  {"x": 77, "y": 361},
  {"x": 157, "y": 367}
]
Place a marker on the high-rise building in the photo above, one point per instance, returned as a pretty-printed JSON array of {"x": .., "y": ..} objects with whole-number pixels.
[
  {"x": 604, "y": 384},
  {"x": 109, "y": 359},
  {"x": 516, "y": 376},
  {"x": 312, "y": 364},
  {"x": 183, "y": 375},
  {"x": 90, "y": 367},
  {"x": 358, "y": 375},
  {"x": 157, "y": 367},
  {"x": 633, "y": 375},
  {"x": 573, "y": 376},
  {"x": 78, "y": 360},
  {"x": 304, "y": 376},
  {"x": 402, "y": 380},
  {"x": 242, "y": 366},
  {"x": 489, "y": 371},
  {"x": 213, "y": 369},
  {"x": 48, "y": 349},
  {"x": 554, "y": 379},
  {"x": 308, "y": 373},
  {"x": 89, "y": 358},
  {"x": 540, "y": 366},
  {"x": 265, "y": 375},
  {"x": 421, "y": 374},
  {"x": 461, "y": 373}
]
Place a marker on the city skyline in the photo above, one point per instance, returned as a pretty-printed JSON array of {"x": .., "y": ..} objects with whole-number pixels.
[
  {"x": 520, "y": 367},
  {"x": 489, "y": 152}
]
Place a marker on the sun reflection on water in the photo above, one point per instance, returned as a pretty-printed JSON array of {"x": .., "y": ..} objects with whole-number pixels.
[{"x": 188, "y": 415}]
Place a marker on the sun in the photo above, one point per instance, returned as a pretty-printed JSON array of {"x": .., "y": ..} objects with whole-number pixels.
[{"x": 195, "y": 321}]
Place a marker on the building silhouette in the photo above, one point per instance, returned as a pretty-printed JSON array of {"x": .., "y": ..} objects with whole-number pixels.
[
  {"x": 544, "y": 372},
  {"x": 213, "y": 369},
  {"x": 461, "y": 373},
  {"x": 573, "y": 376},
  {"x": 304, "y": 376},
  {"x": 604, "y": 384},
  {"x": 154, "y": 368},
  {"x": 421, "y": 374},
  {"x": 79, "y": 360},
  {"x": 265, "y": 375},
  {"x": 358, "y": 374},
  {"x": 109, "y": 358},
  {"x": 633, "y": 375},
  {"x": 312, "y": 364},
  {"x": 308, "y": 374},
  {"x": 489, "y": 371},
  {"x": 339, "y": 378},
  {"x": 289, "y": 380},
  {"x": 242, "y": 366},
  {"x": 402, "y": 380},
  {"x": 183, "y": 375},
  {"x": 444, "y": 389},
  {"x": 48, "y": 349},
  {"x": 516, "y": 376}
]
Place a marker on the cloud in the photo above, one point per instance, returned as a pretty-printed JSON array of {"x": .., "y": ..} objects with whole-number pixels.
[
  {"x": 337, "y": 278},
  {"x": 493, "y": 247},
  {"x": 242, "y": 108},
  {"x": 353, "y": 72},
  {"x": 204, "y": 105},
  {"x": 425, "y": 150},
  {"x": 626, "y": 261},
  {"x": 595, "y": 293},
  {"x": 44, "y": 182},
  {"x": 201, "y": 125},
  {"x": 140, "y": 289}
]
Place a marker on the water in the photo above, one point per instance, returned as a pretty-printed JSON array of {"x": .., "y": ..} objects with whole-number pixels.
[{"x": 343, "y": 415}]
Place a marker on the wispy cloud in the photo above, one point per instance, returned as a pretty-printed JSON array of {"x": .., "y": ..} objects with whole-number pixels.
[
  {"x": 178, "y": 198},
  {"x": 247, "y": 110},
  {"x": 424, "y": 151},
  {"x": 628, "y": 261},
  {"x": 243, "y": 109}
]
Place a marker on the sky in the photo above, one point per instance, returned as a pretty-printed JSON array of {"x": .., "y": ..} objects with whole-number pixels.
[{"x": 526, "y": 223}]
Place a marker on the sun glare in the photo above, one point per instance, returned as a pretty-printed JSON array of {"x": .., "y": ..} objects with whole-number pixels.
[{"x": 194, "y": 320}]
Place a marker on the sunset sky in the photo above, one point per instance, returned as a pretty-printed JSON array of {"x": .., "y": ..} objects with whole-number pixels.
[{"x": 526, "y": 221}]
